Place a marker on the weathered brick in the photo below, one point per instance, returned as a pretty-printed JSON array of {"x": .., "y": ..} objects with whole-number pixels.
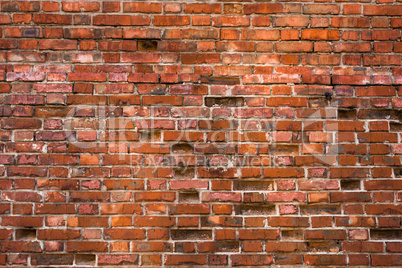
[{"x": 200, "y": 133}]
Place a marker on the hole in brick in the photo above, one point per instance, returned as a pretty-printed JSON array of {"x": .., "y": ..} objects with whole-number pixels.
[
  {"x": 25, "y": 234},
  {"x": 347, "y": 114},
  {"x": 386, "y": 234},
  {"x": 191, "y": 234},
  {"x": 189, "y": 198},
  {"x": 292, "y": 235},
  {"x": 395, "y": 126},
  {"x": 328, "y": 95},
  {"x": 398, "y": 172},
  {"x": 227, "y": 101},
  {"x": 85, "y": 259},
  {"x": 184, "y": 172},
  {"x": 220, "y": 80},
  {"x": 147, "y": 45},
  {"x": 350, "y": 185},
  {"x": 150, "y": 136},
  {"x": 255, "y": 210},
  {"x": 182, "y": 148}
]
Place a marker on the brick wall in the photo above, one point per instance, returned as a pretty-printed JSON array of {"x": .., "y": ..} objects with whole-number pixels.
[{"x": 217, "y": 133}]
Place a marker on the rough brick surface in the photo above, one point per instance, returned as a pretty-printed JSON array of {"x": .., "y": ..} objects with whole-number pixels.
[{"x": 200, "y": 133}]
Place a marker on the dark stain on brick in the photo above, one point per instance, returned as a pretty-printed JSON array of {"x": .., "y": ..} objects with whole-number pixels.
[
  {"x": 292, "y": 235},
  {"x": 376, "y": 234},
  {"x": 160, "y": 90},
  {"x": 82, "y": 19},
  {"x": 320, "y": 209},
  {"x": 221, "y": 221},
  {"x": 255, "y": 209},
  {"x": 225, "y": 101},
  {"x": 147, "y": 45},
  {"x": 189, "y": 197},
  {"x": 227, "y": 246},
  {"x": 11, "y": 7},
  {"x": 30, "y": 32},
  {"x": 191, "y": 234},
  {"x": 395, "y": 126},
  {"x": 111, "y": 111},
  {"x": 350, "y": 184},
  {"x": 398, "y": 172},
  {"x": 182, "y": 148},
  {"x": 52, "y": 259},
  {"x": 253, "y": 185},
  {"x": 220, "y": 80},
  {"x": 318, "y": 102},
  {"x": 348, "y": 114},
  {"x": 380, "y": 114},
  {"x": 150, "y": 136},
  {"x": 25, "y": 234},
  {"x": 183, "y": 172}
]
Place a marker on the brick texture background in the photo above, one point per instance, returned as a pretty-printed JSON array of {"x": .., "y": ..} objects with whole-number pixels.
[{"x": 210, "y": 133}]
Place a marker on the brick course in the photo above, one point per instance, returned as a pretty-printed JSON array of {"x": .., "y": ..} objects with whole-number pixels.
[{"x": 218, "y": 133}]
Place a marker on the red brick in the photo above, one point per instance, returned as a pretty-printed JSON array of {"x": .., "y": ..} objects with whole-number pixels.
[
  {"x": 81, "y": 246},
  {"x": 291, "y": 21},
  {"x": 321, "y": 9},
  {"x": 371, "y": 10},
  {"x": 80, "y": 6},
  {"x": 114, "y": 259},
  {"x": 121, "y": 20},
  {"x": 52, "y": 19},
  {"x": 382, "y": 60},
  {"x": 58, "y": 44},
  {"x": 262, "y": 8},
  {"x": 142, "y": 7},
  {"x": 325, "y": 259},
  {"x": 386, "y": 260},
  {"x": 202, "y": 8},
  {"x": 185, "y": 259},
  {"x": 244, "y": 260},
  {"x": 20, "y": 246},
  {"x": 320, "y": 35},
  {"x": 170, "y": 20},
  {"x": 294, "y": 47},
  {"x": 126, "y": 125}
]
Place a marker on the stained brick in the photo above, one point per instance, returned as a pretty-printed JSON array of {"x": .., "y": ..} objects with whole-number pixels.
[{"x": 226, "y": 133}]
